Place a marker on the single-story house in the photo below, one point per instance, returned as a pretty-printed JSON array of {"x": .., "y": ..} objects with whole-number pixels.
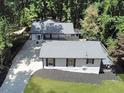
[
  {"x": 50, "y": 29},
  {"x": 77, "y": 56}
]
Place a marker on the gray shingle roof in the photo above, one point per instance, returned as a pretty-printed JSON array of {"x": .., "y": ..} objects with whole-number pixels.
[
  {"x": 107, "y": 61},
  {"x": 50, "y": 26},
  {"x": 72, "y": 49},
  {"x": 36, "y": 27}
]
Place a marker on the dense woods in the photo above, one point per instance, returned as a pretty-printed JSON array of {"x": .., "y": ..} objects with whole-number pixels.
[{"x": 97, "y": 19}]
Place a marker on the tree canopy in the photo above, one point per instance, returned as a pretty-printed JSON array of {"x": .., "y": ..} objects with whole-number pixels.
[{"x": 101, "y": 19}]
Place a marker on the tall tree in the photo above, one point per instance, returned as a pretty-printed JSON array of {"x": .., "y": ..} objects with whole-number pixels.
[
  {"x": 28, "y": 14},
  {"x": 90, "y": 23},
  {"x": 4, "y": 33},
  {"x": 4, "y": 38}
]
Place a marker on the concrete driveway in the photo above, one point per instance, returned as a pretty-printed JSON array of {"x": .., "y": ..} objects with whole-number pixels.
[{"x": 24, "y": 65}]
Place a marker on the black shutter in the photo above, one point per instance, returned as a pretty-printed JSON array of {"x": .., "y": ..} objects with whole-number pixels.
[
  {"x": 44, "y": 36},
  {"x": 74, "y": 62},
  {"x": 87, "y": 61},
  {"x": 46, "y": 61},
  {"x": 50, "y": 36},
  {"x": 92, "y": 61},
  {"x": 67, "y": 62},
  {"x": 54, "y": 62}
]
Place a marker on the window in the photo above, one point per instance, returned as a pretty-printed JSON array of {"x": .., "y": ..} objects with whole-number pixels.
[
  {"x": 61, "y": 36},
  {"x": 47, "y": 36},
  {"x": 72, "y": 34},
  {"x": 50, "y": 62},
  {"x": 90, "y": 61},
  {"x": 70, "y": 62}
]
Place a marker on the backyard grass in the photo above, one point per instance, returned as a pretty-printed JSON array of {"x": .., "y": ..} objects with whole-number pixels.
[
  {"x": 41, "y": 85},
  {"x": 121, "y": 76}
]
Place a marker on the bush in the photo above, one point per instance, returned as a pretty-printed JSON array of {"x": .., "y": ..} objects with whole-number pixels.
[{"x": 111, "y": 45}]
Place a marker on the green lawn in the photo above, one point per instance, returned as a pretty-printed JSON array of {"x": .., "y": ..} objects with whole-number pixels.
[
  {"x": 121, "y": 76},
  {"x": 40, "y": 85}
]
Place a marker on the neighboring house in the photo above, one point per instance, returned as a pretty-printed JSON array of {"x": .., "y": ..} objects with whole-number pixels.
[
  {"x": 57, "y": 52},
  {"x": 53, "y": 30}
]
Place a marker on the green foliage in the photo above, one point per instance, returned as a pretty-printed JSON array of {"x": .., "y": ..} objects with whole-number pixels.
[
  {"x": 103, "y": 19},
  {"x": 2, "y": 28},
  {"x": 107, "y": 5},
  {"x": 106, "y": 19},
  {"x": 100, "y": 22},
  {"x": 4, "y": 34},
  {"x": 111, "y": 43},
  {"x": 114, "y": 2},
  {"x": 108, "y": 27},
  {"x": 90, "y": 24},
  {"x": 121, "y": 76},
  {"x": 27, "y": 14},
  {"x": 120, "y": 23}
]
